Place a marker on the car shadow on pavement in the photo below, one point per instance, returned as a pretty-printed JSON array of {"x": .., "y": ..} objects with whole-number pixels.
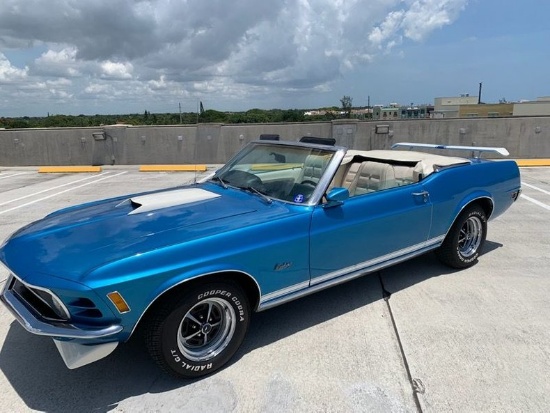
[
  {"x": 38, "y": 375},
  {"x": 275, "y": 324}
]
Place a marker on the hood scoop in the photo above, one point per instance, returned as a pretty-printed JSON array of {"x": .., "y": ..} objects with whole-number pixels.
[{"x": 177, "y": 197}]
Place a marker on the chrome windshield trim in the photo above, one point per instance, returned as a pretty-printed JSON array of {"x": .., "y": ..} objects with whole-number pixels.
[
  {"x": 326, "y": 178},
  {"x": 349, "y": 273},
  {"x": 38, "y": 327}
]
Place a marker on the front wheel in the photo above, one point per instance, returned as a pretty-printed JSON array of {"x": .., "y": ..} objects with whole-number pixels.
[
  {"x": 465, "y": 239},
  {"x": 197, "y": 334}
]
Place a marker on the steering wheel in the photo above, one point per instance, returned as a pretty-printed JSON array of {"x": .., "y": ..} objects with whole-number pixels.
[
  {"x": 309, "y": 182},
  {"x": 243, "y": 179}
]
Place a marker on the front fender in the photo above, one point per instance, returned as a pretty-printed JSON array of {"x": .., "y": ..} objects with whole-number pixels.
[{"x": 195, "y": 274}]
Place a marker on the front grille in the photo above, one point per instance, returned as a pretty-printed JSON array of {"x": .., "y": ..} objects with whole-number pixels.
[
  {"x": 83, "y": 307},
  {"x": 45, "y": 305},
  {"x": 40, "y": 301}
]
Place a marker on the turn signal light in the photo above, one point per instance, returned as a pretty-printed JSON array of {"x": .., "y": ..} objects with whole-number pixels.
[{"x": 119, "y": 302}]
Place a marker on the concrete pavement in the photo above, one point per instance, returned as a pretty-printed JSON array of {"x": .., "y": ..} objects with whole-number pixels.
[{"x": 415, "y": 337}]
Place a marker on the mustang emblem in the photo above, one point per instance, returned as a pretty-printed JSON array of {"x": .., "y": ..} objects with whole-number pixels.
[{"x": 282, "y": 266}]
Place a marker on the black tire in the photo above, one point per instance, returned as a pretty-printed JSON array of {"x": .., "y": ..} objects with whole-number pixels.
[
  {"x": 196, "y": 334},
  {"x": 465, "y": 239}
]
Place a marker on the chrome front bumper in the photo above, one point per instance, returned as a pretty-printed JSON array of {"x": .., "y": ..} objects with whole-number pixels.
[
  {"x": 74, "y": 354},
  {"x": 35, "y": 326}
]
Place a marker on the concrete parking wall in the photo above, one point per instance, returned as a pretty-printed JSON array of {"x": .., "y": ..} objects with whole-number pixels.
[{"x": 527, "y": 138}]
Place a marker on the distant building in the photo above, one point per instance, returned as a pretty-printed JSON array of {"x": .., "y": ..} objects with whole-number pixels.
[
  {"x": 539, "y": 107},
  {"x": 449, "y": 107},
  {"x": 486, "y": 110},
  {"x": 386, "y": 112},
  {"x": 394, "y": 111},
  {"x": 416, "y": 112}
]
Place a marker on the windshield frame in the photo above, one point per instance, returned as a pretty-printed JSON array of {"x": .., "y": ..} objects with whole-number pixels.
[{"x": 324, "y": 180}]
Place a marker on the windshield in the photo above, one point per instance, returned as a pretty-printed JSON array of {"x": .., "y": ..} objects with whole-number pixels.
[{"x": 287, "y": 173}]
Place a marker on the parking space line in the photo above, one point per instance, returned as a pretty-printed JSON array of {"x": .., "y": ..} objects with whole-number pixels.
[
  {"x": 62, "y": 192},
  {"x": 51, "y": 189},
  {"x": 534, "y": 201},
  {"x": 536, "y": 188},
  {"x": 12, "y": 175}
]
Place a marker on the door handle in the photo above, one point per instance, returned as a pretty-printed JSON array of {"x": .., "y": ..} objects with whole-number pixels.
[{"x": 423, "y": 194}]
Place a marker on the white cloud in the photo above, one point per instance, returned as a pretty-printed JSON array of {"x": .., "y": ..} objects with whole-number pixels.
[
  {"x": 116, "y": 71},
  {"x": 158, "y": 84},
  {"x": 387, "y": 30},
  {"x": 9, "y": 73},
  {"x": 424, "y": 16},
  {"x": 97, "y": 89},
  {"x": 58, "y": 62},
  {"x": 218, "y": 48}
]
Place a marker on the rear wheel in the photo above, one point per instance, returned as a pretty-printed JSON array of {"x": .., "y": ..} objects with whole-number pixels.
[
  {"x": 198, "y": 333},
  {"x": 465, "y": 239}
]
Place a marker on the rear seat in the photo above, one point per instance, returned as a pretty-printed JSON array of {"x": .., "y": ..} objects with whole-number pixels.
[
  {"x": 370, "y": 176},
  {"x": 404, "y": 175}
]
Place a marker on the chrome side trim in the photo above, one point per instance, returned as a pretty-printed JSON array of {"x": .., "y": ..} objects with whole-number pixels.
[
  {"x": 36, "y": 326},
  {"x": 375, "y": 261},
  {"x": 285, "y": 291},
  {"x": 349, "y": 273}
]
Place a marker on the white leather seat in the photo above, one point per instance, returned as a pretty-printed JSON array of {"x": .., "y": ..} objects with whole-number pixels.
[
  {"x": 314, "y": 167},
  {"x": 372, "y": 176},
  {"x": 351, "y": 174},
  {"x": 404, "y": 175}
]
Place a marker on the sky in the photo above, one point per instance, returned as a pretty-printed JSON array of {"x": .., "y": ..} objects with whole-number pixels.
[{"x": 127, "y": 56}]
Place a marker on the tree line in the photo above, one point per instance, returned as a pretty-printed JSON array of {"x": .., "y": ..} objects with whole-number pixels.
[{"x": 148, "y": 118}]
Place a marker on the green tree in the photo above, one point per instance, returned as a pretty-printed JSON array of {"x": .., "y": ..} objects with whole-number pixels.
[
  {"x": 347, "y": 104},
  {"x": 213, "y": 116}
]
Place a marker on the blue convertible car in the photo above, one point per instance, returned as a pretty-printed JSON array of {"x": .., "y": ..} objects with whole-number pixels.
[{"x": 186, "y": 266}]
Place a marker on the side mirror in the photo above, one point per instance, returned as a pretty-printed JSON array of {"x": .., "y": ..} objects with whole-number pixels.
[{"x": 336, "y": 196}]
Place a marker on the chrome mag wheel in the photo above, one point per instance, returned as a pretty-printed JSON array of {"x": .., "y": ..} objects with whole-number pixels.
[
  {"x": 464, "y": 241},
  {"x": 470, "y": 237},
  {"x": 206, "y": 329}
]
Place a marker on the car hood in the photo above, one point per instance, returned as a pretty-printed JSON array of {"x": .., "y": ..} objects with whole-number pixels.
[{"x": 74, "y": 241}]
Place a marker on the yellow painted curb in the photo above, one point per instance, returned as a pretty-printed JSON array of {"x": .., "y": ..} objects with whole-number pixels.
[
  {"x": 67, "y": 169},
  {"x": 172, "y": 168},
  {"x": 533, "y": 162}
]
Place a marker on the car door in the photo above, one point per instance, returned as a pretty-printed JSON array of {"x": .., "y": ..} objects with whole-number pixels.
[{"x": 368, "y": 229}]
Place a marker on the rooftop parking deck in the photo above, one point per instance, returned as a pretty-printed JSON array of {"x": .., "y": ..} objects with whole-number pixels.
[{"x": 415, "y": 337}]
